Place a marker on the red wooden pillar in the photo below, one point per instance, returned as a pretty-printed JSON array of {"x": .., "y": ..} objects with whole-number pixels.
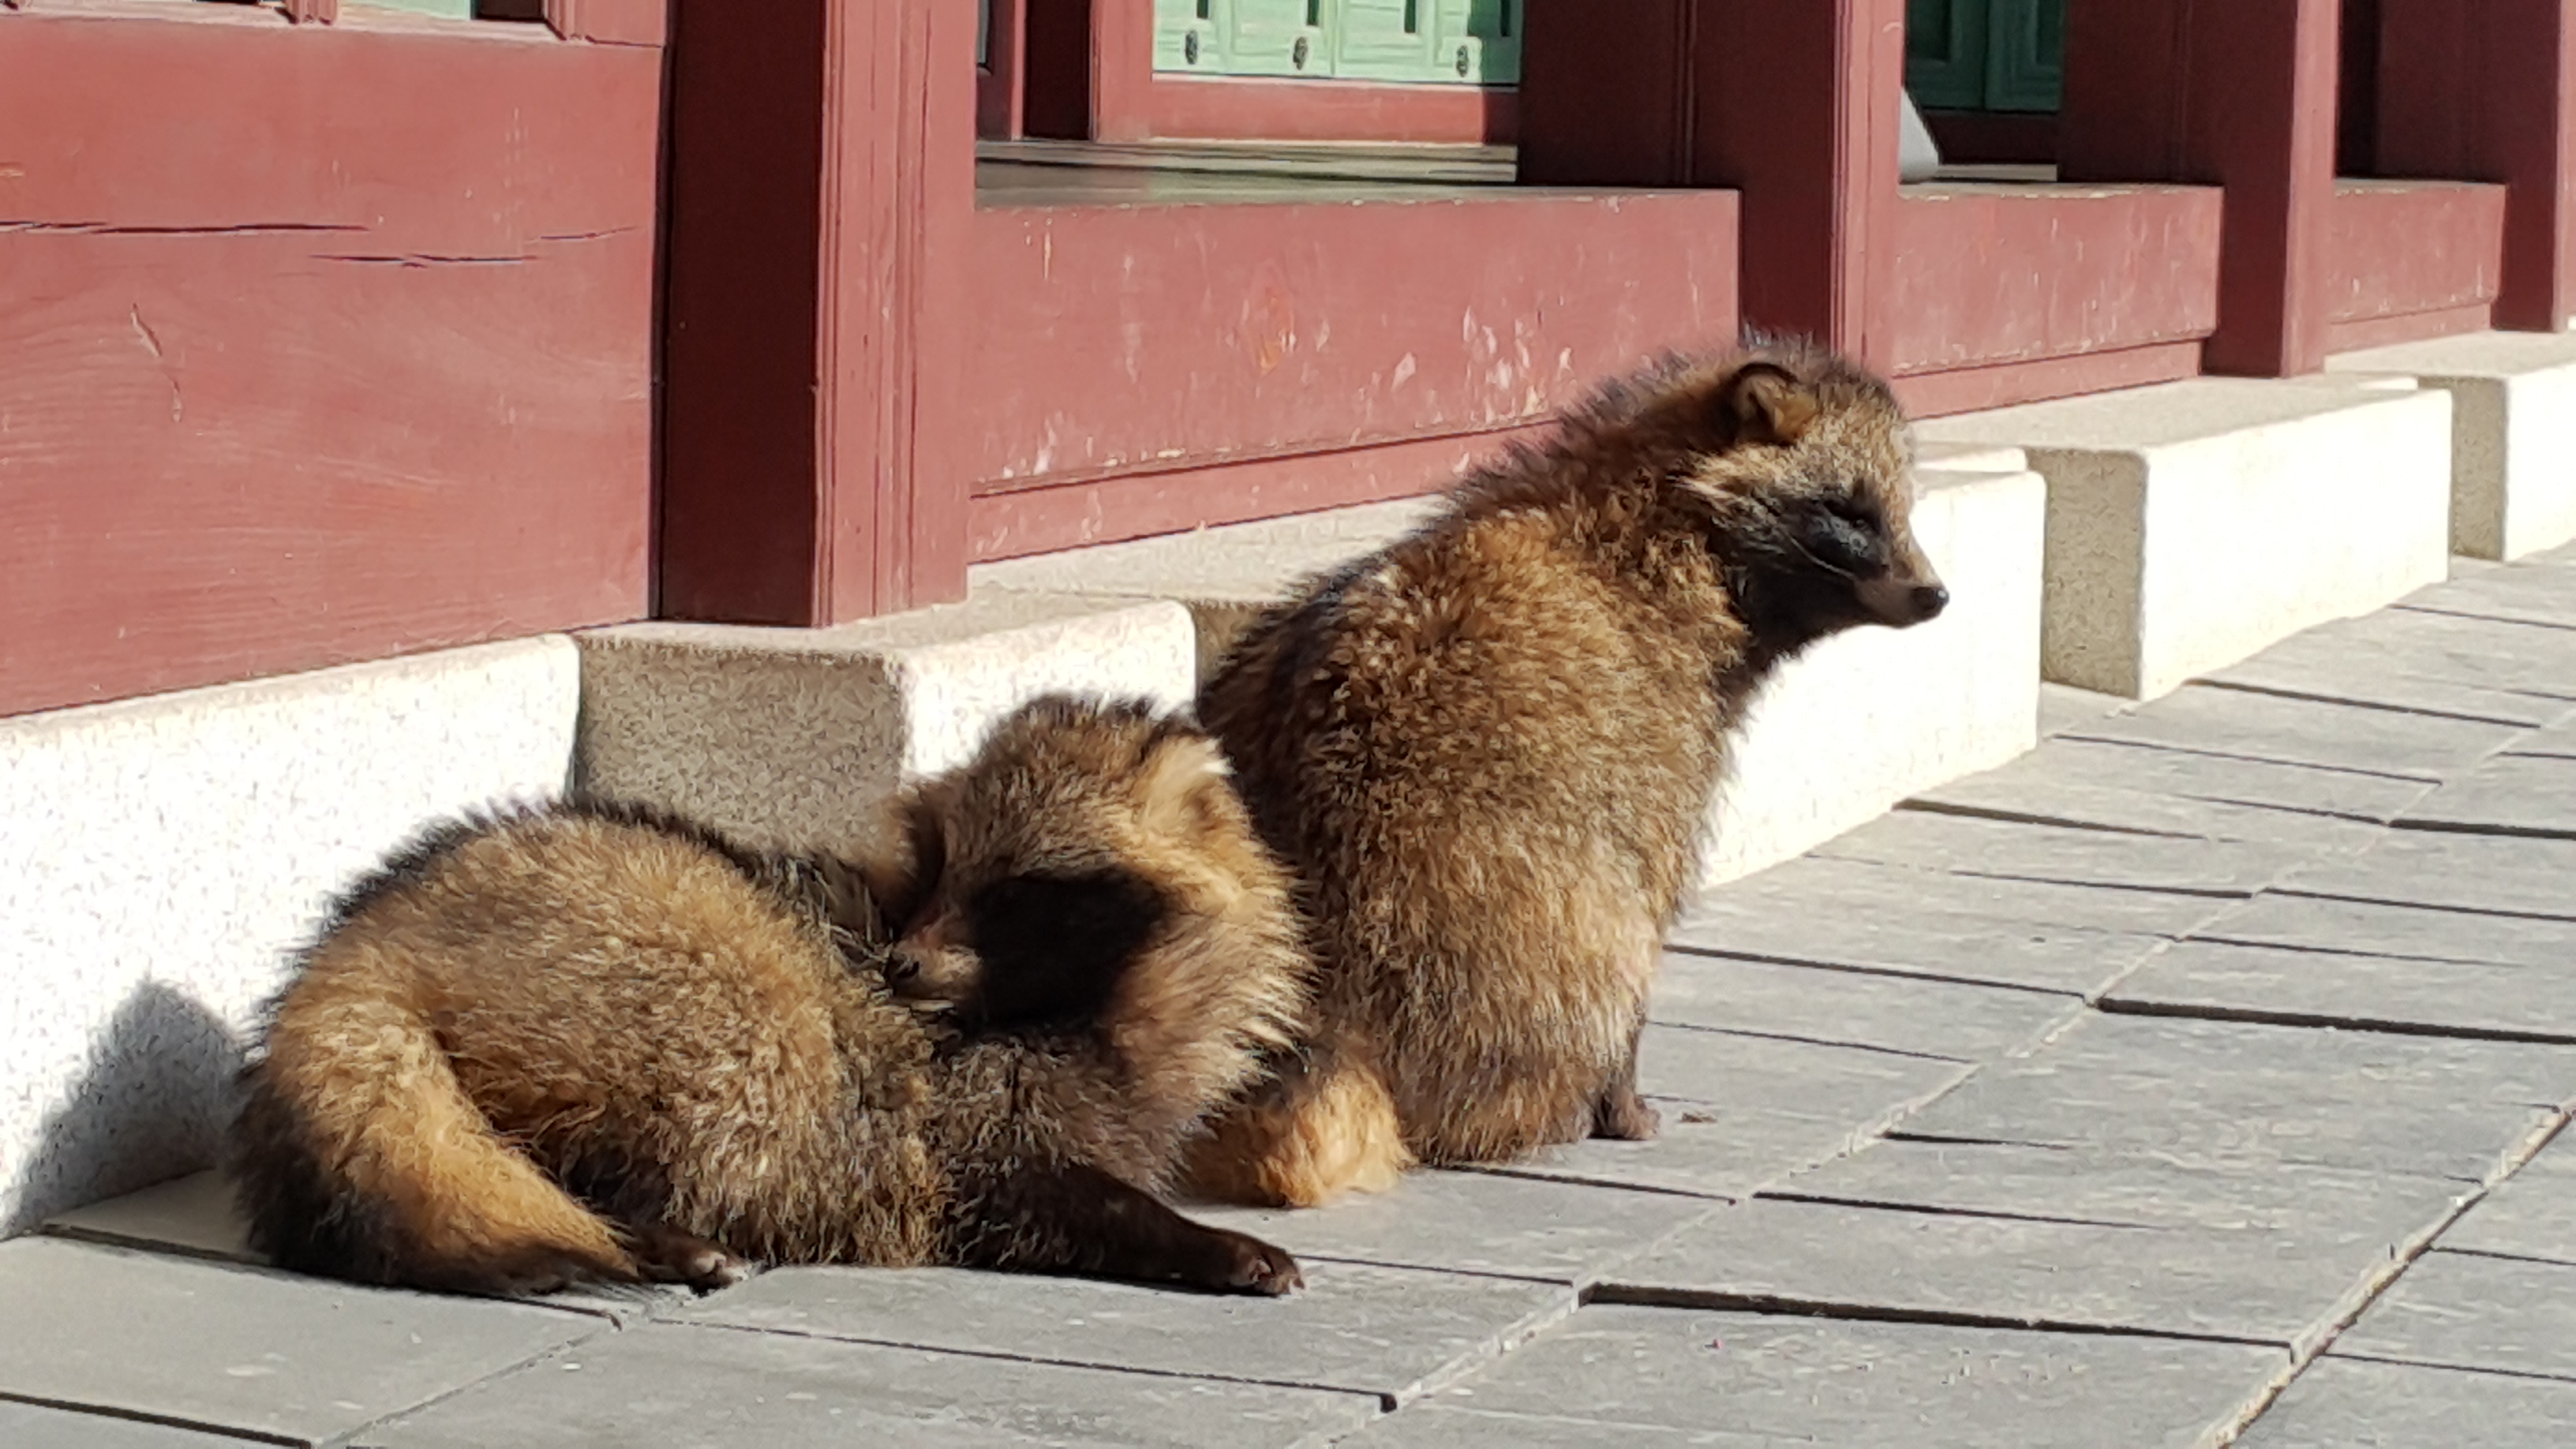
[
  {"x": 1090, "y": 69},
  {"x": 1793, "y": 103},
  {"x": 2485, "y": 90},
  {"x": 2232, "y": 93},
  {"x": 820, "y": 198}
]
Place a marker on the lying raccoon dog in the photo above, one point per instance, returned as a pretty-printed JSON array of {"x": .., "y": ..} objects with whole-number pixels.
[{"x": 590, "y": 1043}]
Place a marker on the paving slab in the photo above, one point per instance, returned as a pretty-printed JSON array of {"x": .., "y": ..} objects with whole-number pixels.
[
  {"x": 2279, "y": 1287},
  {"x": 2012, "y": 1180},
  {"x": 709, "y": 1386},
  {"x": 2531, "y": 1214},
  {"x": 2349, "y": 1404},
  {"x": 2466, "y": 1310},
  {"x": 1454, "y": 1426},
  {"x": 35, "y": 1426},
  {"x": 2511, "y": 794},
  {"x": 1954, "y": 1020},
  {"x": 2064, "y": 800},
  {"x": 1855, "y": 1385},
  {"x": 2528, "y": 594},
  {"x": 2310, "y": 732},
  {"x": 1475, "y": 1222},
  {"x": 2372, "y": 928},
  {"x": 1740, "y": 1111},
  {"x": 2230, "y": 1094},
  {"x": 298, "y": 1359},
  {"x": 1355, "y": 1328},
  {"x": 196, "y": 1215},
  {"x": 2016, "y": 850},
  {"x": 1805, "y": 895},
  {"x": 2509, "y": 875},
  {"x": 2197, "y": 775},
  {"x": 192, "y": 1214},
  {"x": 2451, "y": 647},
  {"x": 2329, "y": 988},
  {"x": 1904, "y": 939},
  {"x": 2342, "y": 671}
]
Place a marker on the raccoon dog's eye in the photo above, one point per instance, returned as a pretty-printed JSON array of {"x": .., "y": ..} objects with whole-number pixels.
[{"x": 1841, "y": 536}]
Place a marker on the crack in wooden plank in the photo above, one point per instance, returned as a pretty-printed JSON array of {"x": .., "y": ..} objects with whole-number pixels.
[{"x": 103, "y": 228}]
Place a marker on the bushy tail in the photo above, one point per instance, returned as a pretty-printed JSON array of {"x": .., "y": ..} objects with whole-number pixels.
[
  {"x": 359, "y": 1155},
  {"x": 1320, "y": 1130}
]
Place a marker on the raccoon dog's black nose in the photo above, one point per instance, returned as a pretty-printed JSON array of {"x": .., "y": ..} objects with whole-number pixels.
[{"x": 1930, "y": 600}]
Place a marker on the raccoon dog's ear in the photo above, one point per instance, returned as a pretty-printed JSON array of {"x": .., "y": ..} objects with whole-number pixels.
[
  {"x": 1765, "y": 403},
  {"x": 902, "y": 872},
  {"x": 1177, "y": 771}
]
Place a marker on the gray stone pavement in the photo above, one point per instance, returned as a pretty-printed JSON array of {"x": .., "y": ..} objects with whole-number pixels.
[{"x": 2196, "y": 1078}]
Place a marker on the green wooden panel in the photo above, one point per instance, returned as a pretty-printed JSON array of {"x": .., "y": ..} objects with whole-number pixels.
[
  {"x": 2026, "y": 55},
  {"x": 1479, "y": 42},
  {"x": 1946, "y": 53},
  {"x": 1455, "y": 42},
  {"x": 1276, "y": 37},
  {"x": 1189, "y": 36},
  {"x": 1386, "y": 40}
]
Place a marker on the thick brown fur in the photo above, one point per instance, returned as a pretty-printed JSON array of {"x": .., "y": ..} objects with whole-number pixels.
[
  {"x": 1488, "y": 752},
  {"x": 585, "y": 1042}
]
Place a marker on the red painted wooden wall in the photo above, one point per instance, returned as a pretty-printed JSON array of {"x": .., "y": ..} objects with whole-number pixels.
[{"x": 317, "y": 342}]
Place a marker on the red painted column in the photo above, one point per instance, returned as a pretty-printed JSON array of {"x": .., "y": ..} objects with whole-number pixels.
[
  {"x": 2485, "y": 90},
  {"x": 1793, "y": 103},
  {"x": 819, "y": 206},
  {"x": 2232, "y": 93},
  {"x": 1606, "y": 105}
]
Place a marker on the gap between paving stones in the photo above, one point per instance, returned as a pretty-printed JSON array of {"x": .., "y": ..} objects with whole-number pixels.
[
  {"x": 1472, "y": 1362},
  {"x": 2486, "y": 618},
  {"x": 2202, "y": 752},
  {"x": 1814, "y": 1041},
  {"x": 2404, "y": 1256},
  {"x": 2345, "y": 701},
  {"x": 2466, "y": 827},
  {"x": 2258, "y": 1016},
  {"x": 158, "y": 1421},
  {"x": 2054, "y": 822},
  {"x": 1851, "y": 968},
  {"x": 2446, "y": 907}
]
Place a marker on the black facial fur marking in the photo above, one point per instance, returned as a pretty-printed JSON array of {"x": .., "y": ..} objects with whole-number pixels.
[{"x": 1052, "y": 947}]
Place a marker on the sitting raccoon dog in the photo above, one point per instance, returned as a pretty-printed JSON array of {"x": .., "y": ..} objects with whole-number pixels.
[
  {"x": 589, "y": 1043},
  {"x": 1488, "y": 752}
]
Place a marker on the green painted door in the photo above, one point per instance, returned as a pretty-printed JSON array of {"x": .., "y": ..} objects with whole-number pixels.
[
  {"x": 1418, "y": 42},
  {"x": 1985, "y": 55}
]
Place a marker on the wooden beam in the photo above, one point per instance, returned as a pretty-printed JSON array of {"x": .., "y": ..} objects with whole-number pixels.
[
  {"x": 316, "y": 345},
  {"x": 1793, "y": 103},
  {"x": 2485, "y": 90},
  {"x": 821, "y": 197},
  {"x": 2240, "y": 95}
]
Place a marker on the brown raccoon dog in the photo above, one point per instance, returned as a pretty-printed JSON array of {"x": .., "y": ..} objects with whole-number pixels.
[
  {"x": 1488, "y": 752},
  {"x": 590, "y": 1043}
]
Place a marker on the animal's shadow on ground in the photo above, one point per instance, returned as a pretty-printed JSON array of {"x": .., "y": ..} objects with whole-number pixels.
[{"x": 152, "y": 1103}]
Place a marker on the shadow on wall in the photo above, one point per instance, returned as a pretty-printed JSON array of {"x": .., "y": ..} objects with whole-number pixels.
[{"x": 152, "y": 1104}]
